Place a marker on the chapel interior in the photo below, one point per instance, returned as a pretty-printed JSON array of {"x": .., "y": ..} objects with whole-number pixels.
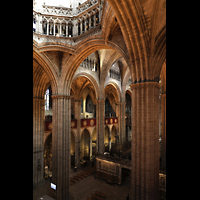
[{"x": 99, "y": 99}]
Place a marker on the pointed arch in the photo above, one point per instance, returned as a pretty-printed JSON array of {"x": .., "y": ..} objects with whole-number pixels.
[
  {"x": 43, "y": 73},
  {"x": 115, "y": 86},
  {"x": 84, "y": 49},
  {"x": 135, "y": 34},
  {"x": 91, "y": 79}
]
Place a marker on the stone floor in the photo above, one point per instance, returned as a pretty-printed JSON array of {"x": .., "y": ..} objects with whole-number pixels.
[{"x": 84, "y": 188}]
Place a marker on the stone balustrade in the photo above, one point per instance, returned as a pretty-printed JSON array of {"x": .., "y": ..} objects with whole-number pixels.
[{"x": 64, "y": 22}]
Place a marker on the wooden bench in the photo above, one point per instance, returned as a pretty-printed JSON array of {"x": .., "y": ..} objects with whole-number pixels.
[
  {"x": 76, "y": 178},
  {"x": 73, "y": 180},
  {"x": 87, "y": 173},
  {"x": 84, "y": 175},
  {"x": 90, "y": 171},
  {"x": 80, "y": 176}
]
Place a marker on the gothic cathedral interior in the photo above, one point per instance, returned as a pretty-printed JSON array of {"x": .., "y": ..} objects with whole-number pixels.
[{"x": 99, "y": 99}]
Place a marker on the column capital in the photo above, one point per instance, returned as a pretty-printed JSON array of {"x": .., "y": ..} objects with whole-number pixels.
[
  {"x": 61, "y": 97},
  {"x": 145, "y": 84},
  {"x": 39, "y": 99}
]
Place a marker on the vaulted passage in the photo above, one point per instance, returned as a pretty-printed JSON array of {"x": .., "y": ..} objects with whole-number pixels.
[{"x": 99, "y": 99}]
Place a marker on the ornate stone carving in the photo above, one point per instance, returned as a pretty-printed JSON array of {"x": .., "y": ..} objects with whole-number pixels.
[{"x": 57, "y": 10}]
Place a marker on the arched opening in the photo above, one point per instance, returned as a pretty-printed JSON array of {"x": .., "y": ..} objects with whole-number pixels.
[
  {"x": 106, "y": 139},
  {"x": 48, "y": 127},
  {"x": 79, "y": 28},
  {"x": 97, "y": 18},
  {"x": 70, "y": 29},
  {"x": 51, "y": 27},
  {"x": 92, "y": 21},
  {"x": 94, "y": 141},
  {"x": 128, "y": 117},
  {"x": 87, "y": 24},
  {"x": 44, "y": 26},
  {"x": 85, "y": 145},
  {"x": 114, "y": 138},
  {"x": 114, "y": 72},
  {"x": 112, "y": 100},
  {"x": 109, "y": 111},
  {"x": 83, "y": 26},
  {"x": 57, "y": 28},
  {"x": 48, "y": 101},
  {"x": 72, "y": 150},
  {"x": 89, "y": 107},
  {"x": 34, "y": 23},
  {"x": 48, "y": 157},
  {"x": 63, "y": 29},
  {"x": 42, "y": 104},
  {"x": 115, "y": 147},
  {"x": 84, "y": 91},
  {"x": 91, "y": 62}
]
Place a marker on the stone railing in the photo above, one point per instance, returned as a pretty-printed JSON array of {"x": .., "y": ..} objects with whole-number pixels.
[
  {"x": 62, "y": 22},
  {"x": 114, "y": 159},
  {"x": 39, "y": 38},
  {"x": 56, "y": 10},
  {"x": 62, "y": 40},
  {"x": 84, "y": 6}
]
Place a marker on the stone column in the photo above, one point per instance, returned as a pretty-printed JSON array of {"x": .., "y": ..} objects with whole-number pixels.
[
  {"x": 50, "y": 31},
  {"x": 47, "y": 28},
  {"x": 39, "y": 30},
  {"x": 145, "y": 141},
  {"x": 54, "y": 29},
  {"x": 77, "y": 144},
  {"x": 100, "y": 122},
  {"x": 163, "y": 131},
  {"x": 38, "y": 141},
  {"x": 61, "y": 144}
]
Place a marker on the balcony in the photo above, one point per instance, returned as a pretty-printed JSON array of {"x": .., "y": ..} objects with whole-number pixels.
[
  {"x": 66, "y": 25},
  {"x": 87, "y": 4},
  {"x": 92, "y": 122},
  {"x": 84, "y": 123},
  {"x": 57, "y": 10},
  {"x": 63, "y": 40}
]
